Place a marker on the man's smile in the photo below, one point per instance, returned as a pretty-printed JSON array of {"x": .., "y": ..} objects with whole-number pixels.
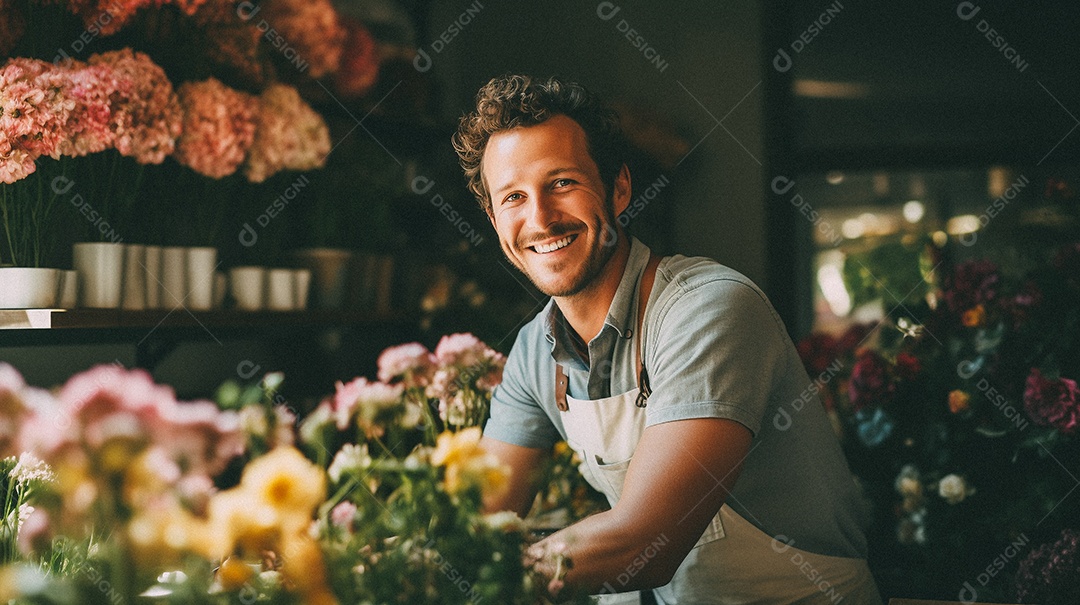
[{"x": 553, "y": 246}]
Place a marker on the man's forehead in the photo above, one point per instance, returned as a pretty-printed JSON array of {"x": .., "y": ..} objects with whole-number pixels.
[{"x": 543, "y": 149}]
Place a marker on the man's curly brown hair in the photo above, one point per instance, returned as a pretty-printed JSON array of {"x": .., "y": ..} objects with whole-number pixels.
[{"x": 514, "y": 101}]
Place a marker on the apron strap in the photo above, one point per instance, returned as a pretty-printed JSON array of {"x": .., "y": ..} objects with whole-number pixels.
[{"x": 644, "y": 391}]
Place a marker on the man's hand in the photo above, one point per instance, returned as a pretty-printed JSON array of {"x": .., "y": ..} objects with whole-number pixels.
[
  {"x": 524, "y": 462},
  {"x": 679, "y": 477}
]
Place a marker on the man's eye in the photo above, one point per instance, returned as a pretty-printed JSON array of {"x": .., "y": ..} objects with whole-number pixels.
[
  {"x": 513, "y": 197},
  {"x": 564, "y": 182}
]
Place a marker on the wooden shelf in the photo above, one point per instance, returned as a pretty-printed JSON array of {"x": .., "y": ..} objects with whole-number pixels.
[{"x": 74, "y": 319}]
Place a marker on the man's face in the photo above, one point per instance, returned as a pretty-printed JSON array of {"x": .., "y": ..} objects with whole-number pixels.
[{"x": 548, "y": 204}]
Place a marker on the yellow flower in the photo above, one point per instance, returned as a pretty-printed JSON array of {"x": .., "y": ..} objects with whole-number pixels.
[
  {"x": 286, "y": 481},
  {"x": 974, "y": 316},
  {"x": 276, "y": 497},
  {"x": 959, "y": 401},
  {"x": 159, "y": 533},
  {"x": 234, "y": 573},
  {"x": 467, "y": 464},
  {"x": 304, "y": 571}
]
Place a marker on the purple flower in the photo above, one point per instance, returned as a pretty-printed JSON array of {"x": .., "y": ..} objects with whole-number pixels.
[
  {"x": 870, "y": 383},
  {"x": 1051, "y": 402},
  {"x": 1050, "y": 573},
  {"x": 972, "y": 283}
]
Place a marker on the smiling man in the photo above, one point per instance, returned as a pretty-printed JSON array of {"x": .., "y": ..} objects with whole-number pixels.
[{"x": 664, "y": 375}]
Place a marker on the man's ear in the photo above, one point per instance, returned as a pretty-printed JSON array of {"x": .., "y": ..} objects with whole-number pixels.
[{"x": 621, "y": 190}]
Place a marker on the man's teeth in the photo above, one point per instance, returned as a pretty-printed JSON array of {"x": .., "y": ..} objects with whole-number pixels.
[{"x": 545, "y": 248}]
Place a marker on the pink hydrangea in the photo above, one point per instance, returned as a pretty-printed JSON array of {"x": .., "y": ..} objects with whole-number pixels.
[
  {"x": 313, "y": 28},
  {"x": 89, "y": 127},
  {"x": 412, "y": 362},
  {"x": 146, "y": 114},
  {"x": 362, "y": 396},
  {"x": 289, "y": 135},
  {"x": 33, "y": 112},
  {"x": 461, "y": 349},
  {"x": 218, "y": 127},
  {"x": 201, "y": 437},
  {"x": 1052, "y": 402}
]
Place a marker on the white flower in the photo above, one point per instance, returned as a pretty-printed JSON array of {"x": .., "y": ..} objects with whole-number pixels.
[
  {"x": 253, "y": 421},
  {"x": 349, "y": 459},
  {"x": 908, "y": 483},
  {"x": 31, "y": 469},
  {"x": 954, "y": 489},
  {"x": 505, "y": 521}
]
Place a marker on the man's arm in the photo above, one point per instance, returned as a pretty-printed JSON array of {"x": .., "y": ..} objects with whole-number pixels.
[
  {"x": 681, "y": 473},
  {"x": 524, "y": 463}
]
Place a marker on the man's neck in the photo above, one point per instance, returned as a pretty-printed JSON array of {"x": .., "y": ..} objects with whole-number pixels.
[{"x": 586, "y": 311}]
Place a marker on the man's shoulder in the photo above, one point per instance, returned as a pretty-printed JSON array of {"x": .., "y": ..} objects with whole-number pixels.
[
  {"x": 702, "y": 288},
  {"x": 687, "y": 273}
]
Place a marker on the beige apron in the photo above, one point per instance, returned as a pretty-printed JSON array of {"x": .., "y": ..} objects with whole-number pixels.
[{"x": 733, "y": 562}]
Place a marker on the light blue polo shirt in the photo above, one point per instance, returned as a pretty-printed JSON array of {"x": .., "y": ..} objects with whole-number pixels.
[{"x": 714, "y": 348}]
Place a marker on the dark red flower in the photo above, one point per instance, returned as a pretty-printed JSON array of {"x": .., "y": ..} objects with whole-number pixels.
[
  {"x": 1051, "y": 402},
  {"x": 853, "y": 337},
  {"x": 817, "y": 352},
  {"x": 908, "y": 366},
  {"x": 971, "y": 283},
  {"x": 870, "y": 384},
  {"x": 1050, "y": 573}
]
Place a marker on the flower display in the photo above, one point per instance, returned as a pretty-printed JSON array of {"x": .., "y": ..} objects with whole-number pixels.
[
  {"x": 146, "y": 114},
  {"x": 106, "y": 16},
  {"x": 960, "y": 416},
  {"x": 218, "y": 128},
  {"x": 289, "y": 135},
  {"x": 212, "y": 502}
]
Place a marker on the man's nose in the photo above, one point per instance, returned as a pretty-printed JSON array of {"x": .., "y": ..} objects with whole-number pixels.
[{"x": 543, "y": 211}]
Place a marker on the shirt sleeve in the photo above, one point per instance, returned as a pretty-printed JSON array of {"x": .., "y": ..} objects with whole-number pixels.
[
  {"x": 516, "y": 415},
  {"x": 715, "y": 352}
]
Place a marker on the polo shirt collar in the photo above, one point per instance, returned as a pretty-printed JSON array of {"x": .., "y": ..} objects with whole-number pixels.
[{"x": 621, "y": 315}]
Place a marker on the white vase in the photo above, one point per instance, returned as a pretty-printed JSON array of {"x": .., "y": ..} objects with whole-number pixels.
[
  {"x": 302, "y": 285},
  {"x": 28, "y": 287},
  {"x": 152, "y": 277},
  {"x": 247, "y": 286},
  {"x": 101, "y": 271},
  {"x": 280, "y": 290},
  {"x": 67, "y": 294},
  {"x": 329, "y": 269},
  {"x": 173, "y": 277},
  {"x": 201, "y": 263},
  {"x": 134, "y": 297}
]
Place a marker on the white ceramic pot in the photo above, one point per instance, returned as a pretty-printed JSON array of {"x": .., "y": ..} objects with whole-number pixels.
[
  {"x": 329, "y": 269},
  {"x": 101, "y": 271},
  {"x": 201, "y": 263},
  {"x": 28, "y": 287},
  {"x": 134, "y": 297},
  {"x": 173, "y": 277},
  {"x": 280, "y": 290},
  {"x": 247, "y": 286},
  {"x": 302, "y": 286},
  {"x": 152, "y": 277},
  {"x": 67, "y": 295}
]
